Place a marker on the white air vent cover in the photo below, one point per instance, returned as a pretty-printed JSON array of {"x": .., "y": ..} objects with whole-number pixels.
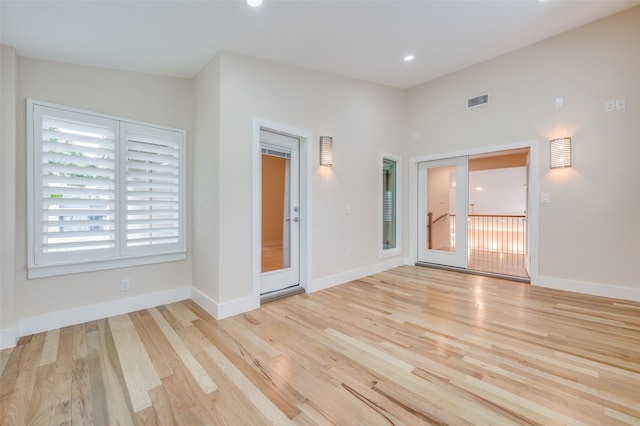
[{"x": 478, "y": 100}]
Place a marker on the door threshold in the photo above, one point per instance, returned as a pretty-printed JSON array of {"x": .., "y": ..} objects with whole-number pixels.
[
  {"x": 281, "y": 294},
  {"x": 525, "y": 280}
]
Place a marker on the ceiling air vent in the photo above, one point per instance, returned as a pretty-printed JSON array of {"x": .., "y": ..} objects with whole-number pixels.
[{"x": 478, "y": 100}]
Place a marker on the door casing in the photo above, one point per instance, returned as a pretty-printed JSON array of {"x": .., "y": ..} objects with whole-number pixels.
[
  {"x": 306, "y": 145},
  {"x": 533, "y": 191}
]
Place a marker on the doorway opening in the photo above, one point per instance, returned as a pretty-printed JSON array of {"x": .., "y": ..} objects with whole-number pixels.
[
  {"x": 281, "y": 213},
  {"x": 497, "y": 219},
  {"x": 473, "y": 213}
]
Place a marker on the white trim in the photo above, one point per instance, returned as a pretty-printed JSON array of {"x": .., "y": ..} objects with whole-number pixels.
[
  {"x": 382, "y": 253},
  {"x": 42, "y": 271},
  {"x": 354, "y": 274},
  {"x": 8, "y": 337},
  {"x": 585, "y": 287},
  {"x": 533, "y": 216},
  {"x": 306, "y": 197},
  {"x": 226, "y": 309},
  {"x": 59, "y": 319}
]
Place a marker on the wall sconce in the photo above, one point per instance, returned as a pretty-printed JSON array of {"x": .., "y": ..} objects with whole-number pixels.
[
  {"x": 326, "y": 151},
  {"x": 560, "y": 153}
]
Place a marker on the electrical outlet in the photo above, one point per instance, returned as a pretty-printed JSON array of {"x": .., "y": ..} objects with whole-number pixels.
[
  {"x": 124, "y": 284},
  {"x": 621, "y": 103}
]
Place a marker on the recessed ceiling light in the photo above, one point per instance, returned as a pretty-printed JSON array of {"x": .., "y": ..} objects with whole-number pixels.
[
  {"x": 254, "y": 3},
  {"x": 408, "y": 58}
]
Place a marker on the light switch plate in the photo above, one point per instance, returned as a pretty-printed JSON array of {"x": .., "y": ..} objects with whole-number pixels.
[
  {"x": 544, "y": 197},
  {"x": 610, "y": 106}
]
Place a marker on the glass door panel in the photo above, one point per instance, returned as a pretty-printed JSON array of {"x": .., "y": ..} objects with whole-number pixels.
[
  {"x": 276, "y": 236},
  {"x": 280, "y": 213},
  {"x": 442, "y": 205}
]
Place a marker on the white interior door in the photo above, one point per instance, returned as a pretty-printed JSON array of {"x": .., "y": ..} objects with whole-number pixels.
[
  {"x": 280, "y": 220},
  {"x": 442, "y": 211}
]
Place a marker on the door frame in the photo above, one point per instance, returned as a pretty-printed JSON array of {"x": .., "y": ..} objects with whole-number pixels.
[
  {"x": 532, "y": 214},
  {"x": 306, "y": 145},
  {"x": 458, "y": 258}
]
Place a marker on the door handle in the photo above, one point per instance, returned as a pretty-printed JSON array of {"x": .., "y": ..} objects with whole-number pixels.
[{"x": 295, "y": 219}]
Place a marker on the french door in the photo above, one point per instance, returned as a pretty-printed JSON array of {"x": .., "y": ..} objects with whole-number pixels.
[
  {"x": 442, "y": 211},
  {"x": 280, "y": 220}
]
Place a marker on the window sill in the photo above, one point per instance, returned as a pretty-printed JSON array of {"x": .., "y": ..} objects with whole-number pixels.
[{"x": 42, "y": 271}]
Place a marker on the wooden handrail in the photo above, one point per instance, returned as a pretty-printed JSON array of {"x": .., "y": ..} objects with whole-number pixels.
[
  {"x": 429, "y": 226},
  {"x": 441, "y": 217}
]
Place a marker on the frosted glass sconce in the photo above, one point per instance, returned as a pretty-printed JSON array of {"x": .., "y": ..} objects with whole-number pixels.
[
  {"x": 326, "y": 151},
  {"x": 560, "y": 153}
]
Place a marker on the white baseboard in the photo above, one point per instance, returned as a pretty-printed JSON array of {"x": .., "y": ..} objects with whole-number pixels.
[
  {"x": 225, "y": 309},
  {"x": 59, "y": 319},
  {"x": 354, "y": 274},
  {"x": 584, "y": 287},
  {"x": 8, "y": 337}
]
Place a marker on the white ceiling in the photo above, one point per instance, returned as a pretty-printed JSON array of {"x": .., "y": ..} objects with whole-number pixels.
[{"x": 366, "y": 40}]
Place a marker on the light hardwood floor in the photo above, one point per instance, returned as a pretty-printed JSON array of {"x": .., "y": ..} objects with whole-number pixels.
[{"x": 409, "y": 346}]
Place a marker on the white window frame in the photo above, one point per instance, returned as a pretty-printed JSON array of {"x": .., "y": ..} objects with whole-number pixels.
[
  {"x": 45, "y": 265},
  {"x": 382, "y": 252}
]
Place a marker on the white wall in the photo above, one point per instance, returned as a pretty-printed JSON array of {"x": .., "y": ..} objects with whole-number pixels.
[
  {"x": 498, "y": 191},
  {"x": 205, "y": 175},
  {"x": 589, "y": 232},
  {"x": 363, "y": 119},
  {"x": 154, "y": 99},
  {"x": 8, "y": 329}
]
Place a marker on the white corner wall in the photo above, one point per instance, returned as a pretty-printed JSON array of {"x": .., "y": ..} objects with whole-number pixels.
[
  {"x": 589, "y": 231},
  {"x": 41, "y": 304},
  {"x": 363, "y": 119},
  {"x": 205, "y": 177},
  {"x": 8, "y": 326}
]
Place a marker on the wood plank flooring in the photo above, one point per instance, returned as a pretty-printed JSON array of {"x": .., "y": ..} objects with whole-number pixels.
[{"x": 408, "y": 346}]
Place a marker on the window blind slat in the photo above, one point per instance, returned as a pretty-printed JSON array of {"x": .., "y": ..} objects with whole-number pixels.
[
  {"x": 147, "y": 186},
  {"x": 159, "y": 137},
  {"x": 100, "y": 150},
  {"x": 77, "y": 246},
  {"x": 160, "y": 169},
  {"x": 149, "y": 158},
  {"x": 92, "y": 182},
  {"x": 76, "y": 122},
  {"x": 82, "y": 163},
  {"x": 59, "y": 169},
  {"x": 164, "y": 150},
  {"x": 77, "y": 202},
  {"x": 86, "y": 193}
]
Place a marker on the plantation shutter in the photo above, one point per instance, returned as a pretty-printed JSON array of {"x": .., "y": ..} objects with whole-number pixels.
[
  {"x": 74, "y": 185},
  {"x": 103, "y": 192},
  {"x": 153, "y": 193}
]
